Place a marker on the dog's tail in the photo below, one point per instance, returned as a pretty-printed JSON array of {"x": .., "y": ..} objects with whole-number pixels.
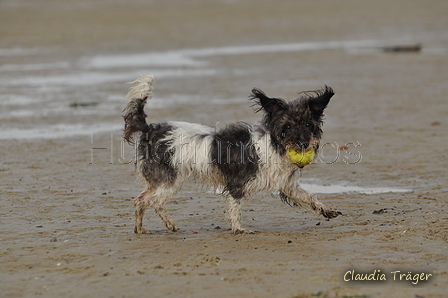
[{"x": 134, "y": 115}]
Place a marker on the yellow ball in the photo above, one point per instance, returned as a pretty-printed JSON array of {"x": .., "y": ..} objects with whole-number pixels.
[{"x": 300, "y": 158}]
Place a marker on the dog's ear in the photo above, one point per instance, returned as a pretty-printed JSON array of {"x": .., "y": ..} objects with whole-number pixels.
[
  {"x": 320, "y": 100},
  {"x": 268, "y": 104}
]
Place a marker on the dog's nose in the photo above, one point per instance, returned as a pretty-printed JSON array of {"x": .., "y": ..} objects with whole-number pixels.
[{"x": 304, "y": 145}]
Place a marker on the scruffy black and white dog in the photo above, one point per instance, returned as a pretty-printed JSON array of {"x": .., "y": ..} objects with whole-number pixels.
[{"x": 240, "y": 159}]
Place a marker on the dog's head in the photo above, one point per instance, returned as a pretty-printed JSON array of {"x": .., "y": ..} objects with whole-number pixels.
[{"x": 296, "y": 123}]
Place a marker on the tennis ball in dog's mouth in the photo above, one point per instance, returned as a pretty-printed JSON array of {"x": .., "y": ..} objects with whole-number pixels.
[{"x": 300, "y": 158}]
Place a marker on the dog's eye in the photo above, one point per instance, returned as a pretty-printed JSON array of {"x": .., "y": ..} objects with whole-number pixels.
[
  {"x": 288, "y": 126},
  {"x": 308, "y": 124}
]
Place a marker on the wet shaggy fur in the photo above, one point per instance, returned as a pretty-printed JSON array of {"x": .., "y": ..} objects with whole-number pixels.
[{"x": 239, "y": 159}]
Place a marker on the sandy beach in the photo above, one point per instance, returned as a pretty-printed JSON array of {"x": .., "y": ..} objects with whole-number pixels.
[{"x": 67, "y": 180}]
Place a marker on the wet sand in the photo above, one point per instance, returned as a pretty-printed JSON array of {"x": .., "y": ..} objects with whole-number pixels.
[{"x": 66, "y": 209}]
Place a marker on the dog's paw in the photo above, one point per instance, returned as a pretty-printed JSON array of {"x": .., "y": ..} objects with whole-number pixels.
[
  {"x": 242, "y": 231},
  {"x": 174, "y": 229},
  {"x": 140, "y": 231},
  {"x": 330, "y": 214},
  {"x": 171, "y": 226}
]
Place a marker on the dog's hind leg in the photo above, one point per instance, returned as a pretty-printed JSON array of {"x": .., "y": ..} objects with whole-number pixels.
[
  {"x": 140, "y": 203},
  {"x": 234, "y": 214},
  {"x": 151, "y": 198},
  {"x": 294, "y": 195},
  {"x": 161, "y": 196},
  {"x": 169, "y": 223}
]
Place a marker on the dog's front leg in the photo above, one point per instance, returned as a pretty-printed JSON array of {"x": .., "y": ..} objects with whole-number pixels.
[
  {"x": 294, "y": 195},
  {"x": 234, "y": 214}
]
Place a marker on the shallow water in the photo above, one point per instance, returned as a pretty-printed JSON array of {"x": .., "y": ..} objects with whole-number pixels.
[
  {"x": 34, "y": 91},
  {"x": 343, "y": 188}
]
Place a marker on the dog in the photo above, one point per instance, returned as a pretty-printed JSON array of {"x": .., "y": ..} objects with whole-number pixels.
[{"x": 239, "y": 159}]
